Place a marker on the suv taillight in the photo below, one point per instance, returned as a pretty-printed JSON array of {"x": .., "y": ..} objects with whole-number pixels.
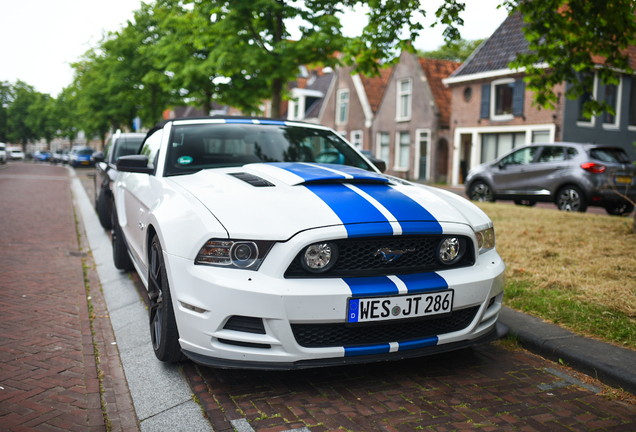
[{"x": 594, "y": 168}]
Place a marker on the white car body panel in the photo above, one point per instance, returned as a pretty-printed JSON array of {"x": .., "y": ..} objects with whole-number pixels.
[{"x": 305, "y": 204}]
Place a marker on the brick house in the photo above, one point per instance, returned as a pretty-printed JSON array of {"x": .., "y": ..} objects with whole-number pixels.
[
  {"x": 492, "y": 112},
  {"x": 411, "y": 130},
  {"x": 352, "y": 103},
  {"x": 308, "y": 95}
]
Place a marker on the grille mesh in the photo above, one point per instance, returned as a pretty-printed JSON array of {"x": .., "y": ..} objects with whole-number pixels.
[
  {"x": 360, "y": 257},
  {"x": 331, "y": 335}
]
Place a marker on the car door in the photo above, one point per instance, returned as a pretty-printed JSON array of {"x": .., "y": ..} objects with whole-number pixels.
[
  {"x": 138, "y": 193},
  {"x": 542, "y": 176},
  {"x": 510, "y": 174}
]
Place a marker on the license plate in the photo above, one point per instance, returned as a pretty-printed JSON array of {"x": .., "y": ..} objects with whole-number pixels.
[
  {"x": 623, "y": 180},
  {"x": 399, "y": 307},
  {"x": 85, "y": 162}
]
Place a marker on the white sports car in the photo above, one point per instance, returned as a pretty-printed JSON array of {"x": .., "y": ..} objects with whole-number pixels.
[{"x": 276, "y": 245}]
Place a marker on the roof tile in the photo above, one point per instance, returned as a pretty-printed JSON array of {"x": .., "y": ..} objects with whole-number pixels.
[{"x": 435, "y": 71}]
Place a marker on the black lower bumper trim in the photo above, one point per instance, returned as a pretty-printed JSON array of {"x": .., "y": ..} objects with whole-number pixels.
[{"x": 500, "y": 330}]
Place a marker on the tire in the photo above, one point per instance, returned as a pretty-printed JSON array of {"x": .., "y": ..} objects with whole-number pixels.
[
  {"x": 570, "y": 198},
  {"x": 102, "y": 211},
  {"x": 620, "y": 209},
  {"x": 480, "y": 191},
  {"x": 527, "y": 203},
  {"x": 163, "y": 325},
  {"x": 120, "y": 252}
]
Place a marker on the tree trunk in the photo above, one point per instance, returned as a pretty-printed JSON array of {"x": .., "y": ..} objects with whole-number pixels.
[{"x": 277, "y": 89}]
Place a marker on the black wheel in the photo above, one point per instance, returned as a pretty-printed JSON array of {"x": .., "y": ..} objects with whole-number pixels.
[
  {"x": 570, "y": 198},
  {"x": 163, "y": 326},
  {"x": 620, "y": 209},
  {"x": 480, "y": 191},
  {"x": 102, "y": 211},
  {"x": 527, "y": 203},
  {"x": 120, "y": 253}
]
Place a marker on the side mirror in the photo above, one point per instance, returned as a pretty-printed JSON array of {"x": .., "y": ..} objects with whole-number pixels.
[
  {"x": 97, "y": 157},
  {"x": 501, "y": 165},
  {"x": 134, "y": 164},
  {"x": 379, "y": 164}
]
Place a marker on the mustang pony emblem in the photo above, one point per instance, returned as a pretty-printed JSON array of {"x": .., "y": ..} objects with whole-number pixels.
[{"x": 390, "y": 255}]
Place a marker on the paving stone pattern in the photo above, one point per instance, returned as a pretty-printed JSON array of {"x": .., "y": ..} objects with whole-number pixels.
[
  {"x": 487, "y": 388},
  {"x": 48, "y": 370}
]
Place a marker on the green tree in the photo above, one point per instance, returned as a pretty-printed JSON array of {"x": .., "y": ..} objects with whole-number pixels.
[
  {"x": 6, "y": 98},
  {"x": 571, "y": 37},
  {"x": 18, "y": 124},
  {"x": 457, "y": 51},
  {"x": 42, "y": 118},
  {"x": 66, "y": 113}
]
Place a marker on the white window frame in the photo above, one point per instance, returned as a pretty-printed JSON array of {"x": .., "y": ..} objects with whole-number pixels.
[
  {"x": 378, "y": 146},
  {"x": 619, "y": 91},
  {"x": 592, "y": 121},
  {"x": 339, "y": 94},
  {"x": 399, "y": 94},
  {"x": 398, "y": 146},
  {"x": 357, "y": 139},
  {"x": 418, "y": 139},
  {"x": 493, "y": 100}
]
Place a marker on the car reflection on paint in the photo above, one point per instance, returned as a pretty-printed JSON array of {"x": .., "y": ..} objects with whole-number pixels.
[{"x": 256, "y": 256}]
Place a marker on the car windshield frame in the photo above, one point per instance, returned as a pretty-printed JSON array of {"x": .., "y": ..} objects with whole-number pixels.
[{"x": 195, "y": 147}]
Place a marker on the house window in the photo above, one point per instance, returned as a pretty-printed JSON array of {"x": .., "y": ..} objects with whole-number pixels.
[
  {"x": 632, "y": 102},
  {"x": 342, "y": 112},
  {"x": 385, "y": 143},
  {"x": 541, "y": 136},
  {"x": 423, "y": 141},
  {"x": 581, "y": 120},
  {"x": 612, "y": 98},
  {"x": 296, "y": 111},
  {"x": 403, "y": 151},
  {"x": 494, "y": 145},
  {"x": 502, "y": 99},
  {"x": 356, "y": 139},
  {"x": 404, "y": 99}
]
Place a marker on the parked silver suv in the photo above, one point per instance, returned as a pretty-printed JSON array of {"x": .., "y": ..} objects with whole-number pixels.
[{"x": 572, "y": 175}]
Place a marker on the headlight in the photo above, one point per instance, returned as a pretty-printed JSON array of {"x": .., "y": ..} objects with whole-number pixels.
[
  {"x": 451, "y": 250},
  {"x": 486, "y": 240},
  {"x": 233, "y": 253},
  {"x": 319, "y": 257}
]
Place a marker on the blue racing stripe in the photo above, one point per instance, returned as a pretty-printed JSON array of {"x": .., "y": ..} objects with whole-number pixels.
[
  {"x": 404, "y": 209},
  {"x": 309, "y": 172},
  {"x": 371, "y": 286},
  {"x": 423, "y": 282},
  {"x": 367, "y": 350},
  {"x": 354, "y": 211},
  {"x": 417, "y": 343}
]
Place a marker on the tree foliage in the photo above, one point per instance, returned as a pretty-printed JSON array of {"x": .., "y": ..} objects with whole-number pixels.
[
  {"x": 572, "y": 37},
  {"x": 457, "y": 51}
]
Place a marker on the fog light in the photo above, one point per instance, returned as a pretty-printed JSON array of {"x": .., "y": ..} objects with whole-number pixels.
[
  {"x": 319, "y": 257},
  {"x": 451, "y": 249}
]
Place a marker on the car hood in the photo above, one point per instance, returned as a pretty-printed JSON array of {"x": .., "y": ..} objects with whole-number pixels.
[{"x": 275, "y": 201}]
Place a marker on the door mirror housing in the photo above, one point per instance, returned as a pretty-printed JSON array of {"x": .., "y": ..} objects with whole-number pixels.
[{"x": 134, "y": 164}]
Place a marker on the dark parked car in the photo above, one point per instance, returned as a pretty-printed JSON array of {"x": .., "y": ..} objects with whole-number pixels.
[
  {"x": 120, "y": 144},
  {"x": 572, "y": 175}
]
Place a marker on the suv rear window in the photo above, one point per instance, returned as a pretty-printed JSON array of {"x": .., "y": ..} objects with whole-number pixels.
[{"x": 610, "y": 155}]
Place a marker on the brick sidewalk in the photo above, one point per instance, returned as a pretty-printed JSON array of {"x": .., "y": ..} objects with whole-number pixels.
[{"x": 49, "y": 374}]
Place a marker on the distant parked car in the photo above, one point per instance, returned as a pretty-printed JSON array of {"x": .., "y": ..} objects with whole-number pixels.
[
  {"x": 3, "y": 153},
  {"x": 80, "y": 156},
  {"x": 572, "y": 175},
  {"x": 60, "y": 156},
  {"x": 15, "y": 153},
  {"x": 42, "y": 156},
  {"x": 120, "y": 144}
]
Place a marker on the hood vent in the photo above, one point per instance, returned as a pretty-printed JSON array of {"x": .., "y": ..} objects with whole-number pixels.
[{"x": 252, "y": 179}]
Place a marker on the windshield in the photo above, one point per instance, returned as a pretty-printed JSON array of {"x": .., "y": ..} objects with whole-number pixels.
[
  {"x": 610, "y": 155},
  {"x": 196, "y": 147}
]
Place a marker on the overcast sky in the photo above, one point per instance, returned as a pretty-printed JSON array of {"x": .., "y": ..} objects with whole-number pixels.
[{"x": 41, "y": 38}]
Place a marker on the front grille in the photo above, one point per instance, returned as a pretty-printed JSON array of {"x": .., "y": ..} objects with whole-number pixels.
[
  {"x": 331, "y": 335},
  {"x": 358, "y": 257}
]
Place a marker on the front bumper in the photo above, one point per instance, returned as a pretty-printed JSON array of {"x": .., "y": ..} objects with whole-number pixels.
[{"x": 205, "y": 298}]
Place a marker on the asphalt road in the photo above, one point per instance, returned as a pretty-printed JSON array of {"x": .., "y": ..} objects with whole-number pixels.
[{"x": 490, "y": 388}]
